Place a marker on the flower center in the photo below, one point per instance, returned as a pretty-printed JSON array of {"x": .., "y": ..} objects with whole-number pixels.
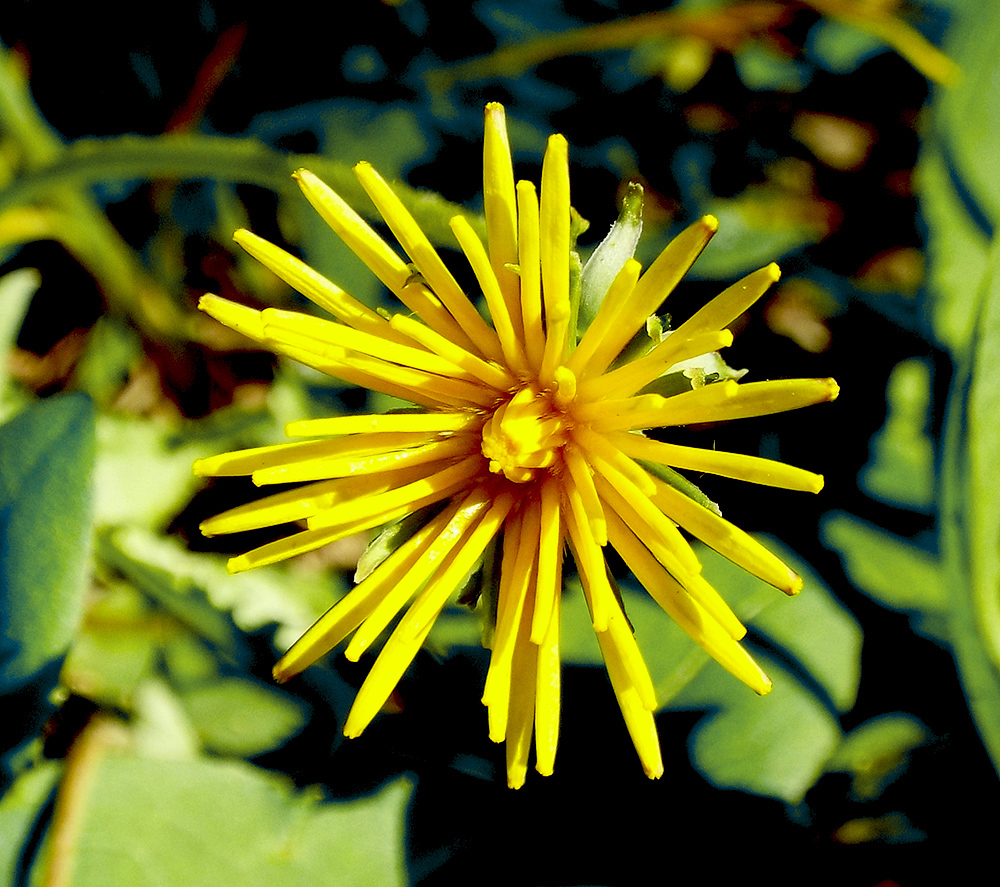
[{"x": 525, "y": 434}]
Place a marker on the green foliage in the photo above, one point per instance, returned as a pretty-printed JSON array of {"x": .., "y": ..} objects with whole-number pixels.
[
  {"x": 781, "y": 744},
  {"x": 902, "y": 468},
  {"x": 16, "y": 290},
  {"x": 875, "y": 753},
  {"x": 143, "y": 821},
  {"x": 46, "y": 460},
  {"x": 167, "y": 646}
]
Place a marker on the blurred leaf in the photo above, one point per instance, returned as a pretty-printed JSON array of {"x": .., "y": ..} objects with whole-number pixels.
[
  {"x": 893, "y": 571},
  {"x": 167, "y": 586},
  {"x": 113, "y": 346},
  {"x": 760, "y": 68},
  {"x": 966, "y": 115},
  {"x": 203, "y": 822},
  {"x": 840, "y": 47},
  {"x": 763, "y": 224},
  {"x": 883, "y": 21},
  {"x": 46, "y": 460},
  {"x": 777, "y": 746},
  {"x": 893, "y": 828},
  {"x": 960, "y": 194},
  {"x": 286, "y": 597},
  {"x": 161, "y": 728},
  {"x": 16, "y": 290},
  {"x": 902, "y": 469},
  {"x": 240, "y": 717},
  {"x": 20, "y": 808},
  {"x": 875, "y": 752},
  {"x": 143, "y": 474},
  {"x": 957, "y": 251},
  {"x": 116, "y": 648},
  {"x": 188, "y": 156},
  {"x": 971, "y": 515}
]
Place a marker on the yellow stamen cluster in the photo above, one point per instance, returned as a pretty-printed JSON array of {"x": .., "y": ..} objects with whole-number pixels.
[{"x": 522, "y": 437}]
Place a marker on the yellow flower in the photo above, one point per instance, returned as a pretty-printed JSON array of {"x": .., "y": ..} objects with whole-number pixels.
[{"x": 522, "y": 435}]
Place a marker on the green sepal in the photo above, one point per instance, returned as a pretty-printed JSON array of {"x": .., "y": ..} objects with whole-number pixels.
[
  {"x": 611, "y": 254},
  {"x": 489, "y": 590},
  {"x": 391, "y": 537},
  {"x": 681, "y": 484}
]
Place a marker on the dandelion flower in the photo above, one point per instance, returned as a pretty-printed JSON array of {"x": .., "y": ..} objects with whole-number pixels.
[{"x": 525, "y": 439}]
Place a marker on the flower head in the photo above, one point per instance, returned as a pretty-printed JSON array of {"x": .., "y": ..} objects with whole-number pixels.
[{"x": 525, "y": 439}]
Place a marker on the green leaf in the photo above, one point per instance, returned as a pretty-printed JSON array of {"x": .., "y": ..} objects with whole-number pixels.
[
  {"x": 200, "y": 823},
  {"x": 167, "y": 571},
  {"x": 779, "y": 744},
  {"x": 143, "y": 473},
  {"x": 901, "y": 470},
  {"x": 761, "y": 225},
  {"x": 957, "y": 252},
  {"x": 891, "y": 570},
  {"x": 971, "y": 515},
  {"x": 16, "y": 290},
  {"x": 46, "y": 461},
  {"x": 776, "y": 746},
  {"x": 20, "y": 808},
  {"x": 168, "y": 587},
  {"x": 958, "y": 187},
  {"x": 966, "y": 114},
  {"x": 116, "y": 649},
  {"x": 186, "y": 156},
  {"x": 876, "y": 752},
  {"x": 240, "y": 717}
]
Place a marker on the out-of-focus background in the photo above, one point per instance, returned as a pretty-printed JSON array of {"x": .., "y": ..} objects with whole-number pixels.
[{"x": 853, "y": 141}]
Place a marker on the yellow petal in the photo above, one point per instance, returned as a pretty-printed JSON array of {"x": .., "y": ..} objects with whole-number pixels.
[
  {"x": 237, "y": 317},
  {"x": 738, "y": 466},
  {"x": 428, "y": 262},
  {"x": 314, "y": 285},
  {"x": 547, "y": 693},
  {"x": 412, "y": 630},
  {"x": 507, "y": 324},
  {"x": 708, "y": 632},
  {"x": 731, "y": 302},
  {"x": 726, "y": 538},
  {"x": 355, "y": 607},
  {"x": 500, "y": 207},
  {"x": 651, "y": 289},
  {"x": 554, "y": 230},
  {"x": 529, "y": 273}
]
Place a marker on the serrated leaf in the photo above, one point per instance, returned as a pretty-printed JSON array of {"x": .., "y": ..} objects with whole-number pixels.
[
  {"x": 185, "y": 600},
  {"x": 200, "y": 823},
  {"x": 46, "y": 462}
]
